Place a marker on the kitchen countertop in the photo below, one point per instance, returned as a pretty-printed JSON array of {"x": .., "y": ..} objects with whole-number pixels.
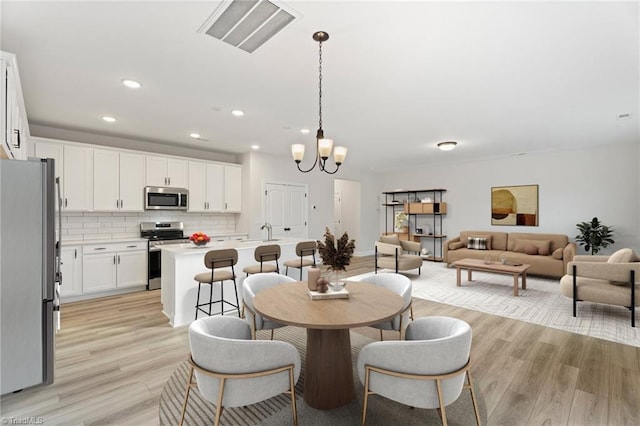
[
  {"x": 69, "y": 242},
  {"x": 190, "y": 248}
]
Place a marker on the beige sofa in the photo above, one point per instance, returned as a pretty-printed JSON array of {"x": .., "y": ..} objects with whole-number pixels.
[
  {"x": 548, "y": 254},
  {"x": 604, "y": 279}
]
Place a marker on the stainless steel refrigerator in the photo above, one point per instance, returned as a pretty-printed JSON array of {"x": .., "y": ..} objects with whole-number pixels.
[{"x": 29, "y": 273}]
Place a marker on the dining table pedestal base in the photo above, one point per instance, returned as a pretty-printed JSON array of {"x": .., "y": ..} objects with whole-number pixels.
[{"x": 328, "y": 377}]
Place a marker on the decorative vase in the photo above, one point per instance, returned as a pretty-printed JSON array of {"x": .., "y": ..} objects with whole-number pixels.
[
  {"x": 312, "y": 278},
  {"x": 336, "y": 279}
]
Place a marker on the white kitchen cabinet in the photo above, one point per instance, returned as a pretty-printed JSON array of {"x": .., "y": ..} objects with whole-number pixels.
[
  {"x": 165, "y": 171},
  {"x": 78, "y": 178},
  {"x": 118, "y": 181},
  {"x": 14, "y": 127},
  {"x": 232, "y": 189},
  {"x": 214, "y": 188},
  {"x": 71, "y": 268},
  {"x": 45, "y": 149},
  {"x": 113, "y": 265},
  {"x": 206, "y": 187}
]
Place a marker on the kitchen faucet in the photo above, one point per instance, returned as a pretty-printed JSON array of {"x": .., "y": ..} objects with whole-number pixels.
[{"x": 268, "y": 226}]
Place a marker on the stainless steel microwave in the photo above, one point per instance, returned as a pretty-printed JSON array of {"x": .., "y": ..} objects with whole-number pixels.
[{"x": 164, "y": 198}]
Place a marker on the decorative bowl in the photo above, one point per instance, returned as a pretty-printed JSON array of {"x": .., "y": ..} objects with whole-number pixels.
[{"x": 199, "y": 243}]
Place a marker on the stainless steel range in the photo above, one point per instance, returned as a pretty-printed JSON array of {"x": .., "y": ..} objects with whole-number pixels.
[{"x": 160, "y": 233}]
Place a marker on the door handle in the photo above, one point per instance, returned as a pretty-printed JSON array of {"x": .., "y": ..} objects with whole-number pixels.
[
  {"x": 17, "y": 133},
  {"x": 287, "y": 229}
]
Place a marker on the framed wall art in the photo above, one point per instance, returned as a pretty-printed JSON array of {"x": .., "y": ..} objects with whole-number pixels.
[{"x": 514, "y": 205}]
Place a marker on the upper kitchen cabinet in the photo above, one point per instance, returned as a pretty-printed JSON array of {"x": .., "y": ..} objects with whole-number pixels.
[
  {"x": 14, "y": 127},
  {"x": 165, "y": 171},
  {"x": 74, "y": 167},
  {"x": 214, "y": 188},
  {"x": 78, "y": 178},
  {"x": 118, "y": 181},
  {"x": 233, "y": 188}
]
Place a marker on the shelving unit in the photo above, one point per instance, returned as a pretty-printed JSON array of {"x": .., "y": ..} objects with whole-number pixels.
[{"x": 425, "y": 216}]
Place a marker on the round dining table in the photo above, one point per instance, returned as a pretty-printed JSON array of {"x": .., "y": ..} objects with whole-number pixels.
[{"x": 328, "y": 377}]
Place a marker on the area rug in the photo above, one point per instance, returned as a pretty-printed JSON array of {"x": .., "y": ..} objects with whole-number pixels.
[
  {"x": 541, "y": 303},
  {"x": 277, "y": 411}
]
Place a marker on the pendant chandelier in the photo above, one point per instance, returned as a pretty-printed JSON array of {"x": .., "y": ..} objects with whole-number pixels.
[{"x": 324, "y": 146}]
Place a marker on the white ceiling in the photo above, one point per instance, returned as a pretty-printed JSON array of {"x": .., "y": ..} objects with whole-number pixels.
[{"x": 500, "y": 78}]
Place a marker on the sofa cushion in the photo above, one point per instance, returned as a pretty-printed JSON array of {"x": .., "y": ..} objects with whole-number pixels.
[
  {"x": 390, "y": 239},
  {"x": 498, "y": 239},
  {"x": 456, "y": 245},
  {"x": 624, "y": 255},
  {"x": 477, "y": 243},
  {"x": 531, "y": 249},
  {"x": 520, "y": 245},
  {"x": 557, "y": 240},
  {"x": 558, "y": 253},
  {"x": 543, "y": 251}
]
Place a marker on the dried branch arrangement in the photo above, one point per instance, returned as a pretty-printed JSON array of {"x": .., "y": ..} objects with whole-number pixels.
[{"x": 336, "y": 255}]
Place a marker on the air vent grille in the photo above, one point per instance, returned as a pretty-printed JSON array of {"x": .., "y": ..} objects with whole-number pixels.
[{"x": 247, "y": 24}]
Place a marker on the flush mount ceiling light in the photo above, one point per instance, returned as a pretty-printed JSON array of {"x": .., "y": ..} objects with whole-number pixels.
[
  {"x": 255, "y": 147},
  {"x": 447, "y": 145},
  {"x": 305, "y": 131},
  {"x": 194, "y": 135},
  {"x": 108, "y": 119},
  {"x": 323, "y": 145},
  {"x": 237, "y": 113},
  {"x": 132, "y": 84}
]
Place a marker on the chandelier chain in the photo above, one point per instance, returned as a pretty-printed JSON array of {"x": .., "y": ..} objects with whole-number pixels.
[{"x": 320, "y": 85}]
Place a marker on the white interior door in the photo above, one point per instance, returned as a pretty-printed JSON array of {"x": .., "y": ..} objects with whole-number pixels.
[
  {"x": 286, "y": 209},
  {"x": 337, "y": 213}
]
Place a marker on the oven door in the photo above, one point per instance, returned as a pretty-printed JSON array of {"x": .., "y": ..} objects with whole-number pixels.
[{"x": 154, "y": 268}]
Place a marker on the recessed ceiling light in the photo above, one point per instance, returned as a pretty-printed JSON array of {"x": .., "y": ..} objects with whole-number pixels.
[
  {"x": 255, "y": 147},
  {"x": 305, "y": 131},
  {"x": 447, "y": 145},
  {"x": 108, "y": 119},
  {"x": 237, "y": 113},
  {"x": 132, "y": 84},
  {"x": 194, "y": 135}
]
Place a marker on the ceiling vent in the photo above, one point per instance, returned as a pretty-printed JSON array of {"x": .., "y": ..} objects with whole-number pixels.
[{"x": 247, "y": 24}]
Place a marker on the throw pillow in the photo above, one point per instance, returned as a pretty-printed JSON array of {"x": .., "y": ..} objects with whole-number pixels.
[
  {"x": 624, "y": 255},
  {"x": 519, "y": 246},
  {"x": 477, "y": 243},
  {"x": 486, "y": 237},
  {"x": 390, "y": 239},
  {"x": 531, "y": 249},
  {"x": 558, "y": 253},
  {"x": 543, "y": 251},
  {"x": 456, "y": 245}
]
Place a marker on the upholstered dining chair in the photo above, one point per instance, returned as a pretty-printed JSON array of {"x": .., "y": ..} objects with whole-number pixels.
[
  {"x": 306, "y": 252},
  {"x": 251, "y": 286},
  {"x": 221, "y": 264},
  {"x": 400, "y": 285},
  {"x": 264, "y": 255},
  {"x": 429, "y": 369},
  {"x": 232, "y": 370}
]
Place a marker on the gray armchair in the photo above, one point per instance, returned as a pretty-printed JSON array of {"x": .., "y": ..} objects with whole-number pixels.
[
  {"x": 251, "y": 286},
  {"x": 400, "y": 285},
  {"x": 427, "y": 370},
  {"x": 398, "y": 255},
  {"x": 232, "y": 370}
]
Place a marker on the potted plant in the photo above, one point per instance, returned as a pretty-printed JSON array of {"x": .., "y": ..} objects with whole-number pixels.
[
  {"x": 594, "y": 235},
  {"x": 336, "y": 255}
]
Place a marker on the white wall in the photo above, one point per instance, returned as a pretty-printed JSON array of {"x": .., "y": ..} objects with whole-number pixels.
[
  {"x": 574, "y": 186},
  {"x": 259, "y": 167}
]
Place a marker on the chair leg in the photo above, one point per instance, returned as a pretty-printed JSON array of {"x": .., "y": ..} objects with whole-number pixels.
[
  {"x": 381, "y": 338},
  {"x": 219, "y": 403},
  {"x": 300, "y": 273},
  {"x": 211, "y": 297},
  {"x": 198, "y": 300},
  {"x": 235, "y": 288},
  {"x": 367, "y": 373},
  {"x": 272, "y": 334},
  {"x": 294, "y": 409},
  {"x": 186, "y": 396},
  {"x": 443, "y": 411},
  {"x": 473, "y": 398}
]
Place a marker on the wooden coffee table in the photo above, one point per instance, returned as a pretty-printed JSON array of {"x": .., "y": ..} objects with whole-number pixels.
[
  {"x": 479, "y": 265},
  {"x": 328, "y": 379}
]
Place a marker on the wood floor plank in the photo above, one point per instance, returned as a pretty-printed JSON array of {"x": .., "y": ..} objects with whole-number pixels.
[{"x": 114, "y": 355}]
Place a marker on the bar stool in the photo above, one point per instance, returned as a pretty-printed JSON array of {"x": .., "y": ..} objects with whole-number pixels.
[
  {"x": 262, "y": 254},
  {"x": 304, "y": 249},
  {"x": 217, "y": 259}
]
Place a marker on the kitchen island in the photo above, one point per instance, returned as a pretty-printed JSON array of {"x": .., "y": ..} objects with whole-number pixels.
[{"x": 181, "y": 262}]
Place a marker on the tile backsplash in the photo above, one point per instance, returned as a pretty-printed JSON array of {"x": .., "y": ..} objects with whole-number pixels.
[{"x": 86, "y": 226}]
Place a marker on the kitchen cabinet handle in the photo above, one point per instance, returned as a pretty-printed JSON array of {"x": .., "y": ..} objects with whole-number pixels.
[
  {"x": 65, "y": 201},
  {"x": 75, "y": 253},
  {"x": 169, "y": 179},
  {"x": 118, "y": 259},
  {"x": 121, "y": 204},
  {"x": 131, "y": 246},
  {"x": 114, "y": 260},
  {"x": 17, "y": 133},
  {"x": 225, "y": 206},
  {"x": 100, "y": 248}
]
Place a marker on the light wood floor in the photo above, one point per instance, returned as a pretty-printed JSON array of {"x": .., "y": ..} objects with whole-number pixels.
[{"x": 113, "y": 356}]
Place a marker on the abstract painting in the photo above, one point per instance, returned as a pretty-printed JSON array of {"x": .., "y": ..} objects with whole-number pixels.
[{"x": 514, "y": 205}]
